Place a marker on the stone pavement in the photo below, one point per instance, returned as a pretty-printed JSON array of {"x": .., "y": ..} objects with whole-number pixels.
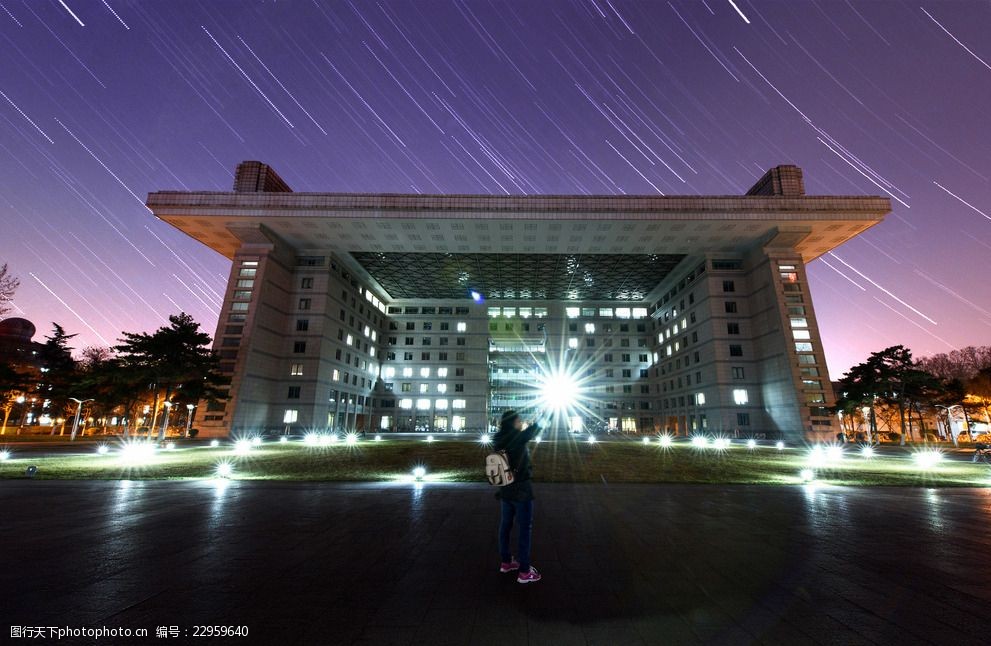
[{"x": 319, "y": 563}]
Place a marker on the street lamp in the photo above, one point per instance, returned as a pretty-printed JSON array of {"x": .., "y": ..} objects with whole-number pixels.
[
  {"x": 75, "y": 422},
  {"x": 949, "y": 419},
  {"x": 165, "y": 421},
  {"x": 189, "y": 417}
]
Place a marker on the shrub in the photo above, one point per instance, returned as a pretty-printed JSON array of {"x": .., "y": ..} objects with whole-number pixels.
[{"x": 193, "y": 432}]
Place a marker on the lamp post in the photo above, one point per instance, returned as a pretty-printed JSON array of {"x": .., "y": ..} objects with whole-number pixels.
[
  {"x": 165, "y": 421},
  {"x": 79, "y": 409},
  {"x": 189, "y": 417},
  {"x": 949, "y": 419}
]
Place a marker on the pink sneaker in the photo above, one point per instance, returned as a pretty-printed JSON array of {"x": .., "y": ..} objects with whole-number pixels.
[
  {"x": 513, "y": 564},
  {"x": 531, "y": 576}
]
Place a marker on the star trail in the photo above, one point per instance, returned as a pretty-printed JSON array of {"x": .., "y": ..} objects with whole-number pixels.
[{"x": 106, "y": 101}]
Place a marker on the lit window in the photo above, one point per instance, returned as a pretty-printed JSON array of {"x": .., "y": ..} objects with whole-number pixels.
[
  {"x": 422, "y": 404},
  {"x": 622, "y": 312},
  {"x": 457, "y": 422},
  {"x": 374, "y": 335},
  {"x": 700, "y": 399},
  {"x": 440, "y": 404},
  {"x": 573, "y": 343},
  {"x": 494, "y": 312},
  {"x": 424, "y": 388},
  {"x": 336, "y": 375},
  {"x": 424, "y": 372},
  {"x": 605, "y": 312},
  {"x": 442, "y": 388},
  {"x": 406, "y": 404},
  {"x": 350, "y": 340},
  {"x": 441, "y": 372},
  {"x": 799, "y": 321},
  {"x": 390, "y": 372},
  {"x": 639, "y": 312},
  {"x": 740, "y": 397},
  {"x": 803, "y": 346},
  {"x": 459, "y": 404},
  {"x": 368, "y": 331},
  {"x": 590, "y": 328},
  {"x": 526, "y": 312},
  {"x": 801, "y": 334},
  {"x": 407, "y": 372},
  {"x": 462, "y": 326},
  {"x": 296, "y": 369},
  {"x": 291, "y": 416},
  {"x": 572, "y": 312}
]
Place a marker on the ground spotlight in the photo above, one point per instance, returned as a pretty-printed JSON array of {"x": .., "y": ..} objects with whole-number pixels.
[
  {"x": 351, "y": 439},
  {"x": 311, "y": 439},
  {"x": 538, "y": 440},
  {"x": 817, "y": 456},
  {"x": 779, "y": 446},
  {"x": 224, "y": 469},
  {"x": 867, "y": 452},
  {"x": 807, "y": 475},
  {"x": 102, "y": 449},
  {"x": 665, "y": 440},
  {"x": 928, "y": 458},
  {"x": 214, "y": 443},
  {"x": 283, "y": 439},
  {"x": 256, "y": 440},
  {"x": 170, "y": 446},
  {"x": 751, "y": 444},
  {"x": 485, "y": 439},
  {"x": 137, "y": 452},
  {"x": 646, "y": 440},
  {"x": 834, "y": 453},
  {"x": 419, "y": 473},
  {"x": 721, "y": 443},
  {"x": 591, "y": 439},
  {"x": 242, "y": 447},
  {"x": 430, "y": 438},
  {"x": 700, "y": 441},
  {"x": 378, "y": 438},
  {"x": 4, "y": 455}
]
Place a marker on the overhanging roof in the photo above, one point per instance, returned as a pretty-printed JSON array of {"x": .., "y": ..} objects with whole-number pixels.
[{"x": 361, "y": 225}]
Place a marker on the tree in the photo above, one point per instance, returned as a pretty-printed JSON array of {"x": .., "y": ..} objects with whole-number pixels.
[
  {"x": 979, "y": 386},
  {"x": 8, "y": 285},
  {"x": 174, "y": 359},
  {"x": 960, "y": 364},
  {"x": 58, "y": 378},
  {"x": 14, "y": 381}
]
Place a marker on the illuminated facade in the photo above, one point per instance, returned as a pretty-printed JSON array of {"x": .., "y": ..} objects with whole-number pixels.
[{"x": 681, "y": 314}]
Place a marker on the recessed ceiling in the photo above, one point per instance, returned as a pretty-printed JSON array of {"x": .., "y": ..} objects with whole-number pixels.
[{"x": 537, "y": 276}]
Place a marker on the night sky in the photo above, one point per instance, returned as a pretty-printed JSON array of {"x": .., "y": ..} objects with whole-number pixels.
[{"x": 102, "y": 101}]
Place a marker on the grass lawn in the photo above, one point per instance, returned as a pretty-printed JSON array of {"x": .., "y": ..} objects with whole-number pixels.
[{"x": 459, "y": 461}]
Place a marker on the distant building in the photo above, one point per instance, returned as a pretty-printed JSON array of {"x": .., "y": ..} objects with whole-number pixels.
[
  {"x": 675, "y": 313},
  {"x": 16, "y": 344}
]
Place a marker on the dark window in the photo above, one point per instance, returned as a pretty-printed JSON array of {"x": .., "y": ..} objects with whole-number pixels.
[
  {"x": 306, "y": 283},
  {"x": 293, "y": 392},
  {"x": 299, "y": 347},
  {"x": 729, "y": 286},
  {"x": 743, "y": 419},
  {"x": 730, "y": 307},
  {"x": 732, "y": 328},
  {"x": 302, "y": 325},
  {"x": 736, "y": 351}
]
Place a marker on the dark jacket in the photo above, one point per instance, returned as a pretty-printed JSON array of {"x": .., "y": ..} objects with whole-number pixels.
[{"x": 514, "y": 443}]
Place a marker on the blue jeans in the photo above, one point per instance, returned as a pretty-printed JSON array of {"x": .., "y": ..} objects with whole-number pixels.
[{"x": 522, "y": 512}]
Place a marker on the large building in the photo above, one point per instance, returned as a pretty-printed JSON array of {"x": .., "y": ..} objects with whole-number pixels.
[{"x": 380, "y": 312}]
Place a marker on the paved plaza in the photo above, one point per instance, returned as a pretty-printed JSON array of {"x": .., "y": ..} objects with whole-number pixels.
[{"x": 404, "y": 564}]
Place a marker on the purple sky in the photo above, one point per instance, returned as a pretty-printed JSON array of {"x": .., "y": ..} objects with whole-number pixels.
[{"x": 105, "y": 101}]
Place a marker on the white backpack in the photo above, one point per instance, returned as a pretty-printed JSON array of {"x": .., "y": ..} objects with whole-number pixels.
[{"x": 497, "y": 469}]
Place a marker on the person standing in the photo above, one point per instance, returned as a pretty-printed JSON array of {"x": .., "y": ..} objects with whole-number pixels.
[{"x": 516, "y": 498}]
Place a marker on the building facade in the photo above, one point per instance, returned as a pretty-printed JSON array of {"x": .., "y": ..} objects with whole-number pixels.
[{"x": 387, "y": 312}]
